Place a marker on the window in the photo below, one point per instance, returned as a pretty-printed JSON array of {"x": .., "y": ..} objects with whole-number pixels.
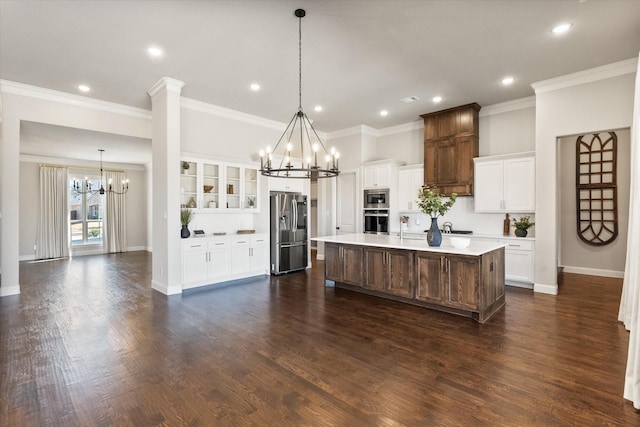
[{"x": 85, "y": 212}]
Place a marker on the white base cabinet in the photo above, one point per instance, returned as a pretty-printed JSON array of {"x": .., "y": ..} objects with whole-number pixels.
[
  {"x": 209, "y": 260},
  {"x": 518, "y": 261}
]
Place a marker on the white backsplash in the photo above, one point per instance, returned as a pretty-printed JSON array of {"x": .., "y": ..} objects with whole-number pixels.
[
  {"x": 227, "y": 223},
  {"x": 462, "y": 216}
]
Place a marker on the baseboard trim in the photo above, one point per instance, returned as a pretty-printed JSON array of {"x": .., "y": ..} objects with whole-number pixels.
[
  {"x": 6, "y": 291},
  {"x": 136, "y": 248},
  {"x": 27, "y": 258},
  {"x": 545, "y": 289},
  {"x": 594, "y": 272},
  {"x": 165, "y": 289}
]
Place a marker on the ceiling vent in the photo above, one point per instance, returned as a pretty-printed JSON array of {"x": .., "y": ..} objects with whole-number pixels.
[{"x": 409, "y": 99}]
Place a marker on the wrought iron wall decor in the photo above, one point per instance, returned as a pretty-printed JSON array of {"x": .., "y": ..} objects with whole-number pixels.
[{"x": 596, "y": 188}]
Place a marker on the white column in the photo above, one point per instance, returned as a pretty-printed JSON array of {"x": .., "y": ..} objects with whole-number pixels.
[
  {"x": 165, "y": 145},
  {"x": 9, "y": 206}
]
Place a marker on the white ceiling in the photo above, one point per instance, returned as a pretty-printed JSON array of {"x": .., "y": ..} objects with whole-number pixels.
[{"x": 359, "y": 56}]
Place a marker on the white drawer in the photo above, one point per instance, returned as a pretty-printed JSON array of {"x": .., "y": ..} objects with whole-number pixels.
[
  {"x": 519, "y": 245},
  {"x": 195, "y": 245},
  {"x": 241, "y": 241},
  {"x": 258, "y": 241},
  {"x": 219, "y": 244}
]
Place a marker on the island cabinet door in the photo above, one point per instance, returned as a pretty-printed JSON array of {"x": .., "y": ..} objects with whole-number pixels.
[
  {"x": 401, "y": 273},
  {"x": 333, "y": 262},
  {"x": 352, "y": 265},
  {"x": 463, "y": 277},
  {"x": 430, "y": 286},
  {"x": 376, "y": 274}
]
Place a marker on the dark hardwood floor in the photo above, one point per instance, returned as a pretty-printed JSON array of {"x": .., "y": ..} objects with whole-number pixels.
[{"x": 88, "y": 343}]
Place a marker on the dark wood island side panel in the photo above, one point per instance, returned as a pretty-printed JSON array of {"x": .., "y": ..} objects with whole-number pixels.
[{"x": 466, "y": 285}]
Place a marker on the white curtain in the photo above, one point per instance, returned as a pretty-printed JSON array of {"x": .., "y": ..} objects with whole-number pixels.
[
  {"x": 52, "y": 231},
  {"x": 115, "y": 230},
  {"x": 630, "y": 301}
]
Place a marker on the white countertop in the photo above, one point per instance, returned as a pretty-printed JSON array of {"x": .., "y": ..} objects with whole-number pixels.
[
  {"x": 417, "y": 235},
  {"x": 476, "y": 248}
]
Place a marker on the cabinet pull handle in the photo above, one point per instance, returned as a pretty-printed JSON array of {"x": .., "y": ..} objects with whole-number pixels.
[
  {"x": 441, "y": 263},
  {"x": 196, "y": 246},
  {"x": 491, "y": 266},
  {"x": 219, "y": 244}
]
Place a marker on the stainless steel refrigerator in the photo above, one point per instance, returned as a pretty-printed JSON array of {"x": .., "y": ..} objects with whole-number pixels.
[{"x": 288, "y": 232}]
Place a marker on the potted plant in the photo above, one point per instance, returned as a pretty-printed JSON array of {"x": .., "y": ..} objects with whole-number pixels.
[
  {"x": 434, "y": 204},
  {"x": 186, "y": 215},
  {"x": 522, "y": 224}
]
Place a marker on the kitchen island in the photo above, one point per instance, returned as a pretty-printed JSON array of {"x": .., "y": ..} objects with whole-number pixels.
[{"x": 467, "y": 281}]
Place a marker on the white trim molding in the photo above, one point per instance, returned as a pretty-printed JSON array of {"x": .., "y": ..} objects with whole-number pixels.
[
  {"x": 594, "y": 272},
  {"x": 171, "y": 85},
  {"x": 355, "y": 130},
  {"x": 406, "y": 127},
  {"x": 545, "y": 289},
  {"x": 587, "y": 76},
  {"x": 22, "y": 89},
  {"x": 165, "y": 289},
  {"x": 6, "y": 291},
  {"x": 228, "y": 113},
  {"x": 504, "y": 107}
]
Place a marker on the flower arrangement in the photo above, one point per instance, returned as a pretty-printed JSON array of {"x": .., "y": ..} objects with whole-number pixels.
[
  {"x": 433, "y": 203},
  {"x": 522, "y": 223},
  {"x": 186, "y": 215}
]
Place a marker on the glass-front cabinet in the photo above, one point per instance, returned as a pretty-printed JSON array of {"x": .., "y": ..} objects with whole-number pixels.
[
  {"x": 211, "y": 186},
  {"x": 189, "y": 184},
  {"x": 250, "y": 189}
]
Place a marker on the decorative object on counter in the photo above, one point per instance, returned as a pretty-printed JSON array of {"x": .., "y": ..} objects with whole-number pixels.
[
  {"x": 185, "y": 168},
  {"x": 433, "y": 204},
  {"x": 208, "y": 188},
  {"x": 192, "y": 203},
  {"x": 186, "y": 215},
  {"x": 522, "y": 224},
  {"x": 84, "y": 187},
  {"x": 212, "y": 204},
  {"x": 308, "y": 150},
  {"x": 246, "y": 231},
  {"x": 219, "y": 233},
  {"x": 506, "y": 225},
  {"x": 596, "y": 188},
  {"x": 198, "y": 233}
]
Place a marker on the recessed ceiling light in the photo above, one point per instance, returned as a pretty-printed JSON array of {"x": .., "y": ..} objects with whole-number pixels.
[
  {"x": 437, "y": 99},
  {"x": 155, "y": 52},
  {"x": 255, "y": 87},
  {"x": 508, "y": 80},
  {"x": 318, "y": 108},
  {"x": 561, "y": 29},
  {"x": 384, "y": 113},
  {"x": 84, "y": 88}
]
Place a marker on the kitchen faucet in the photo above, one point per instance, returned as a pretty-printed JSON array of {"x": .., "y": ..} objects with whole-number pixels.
[{"x": 447, "y": 227}]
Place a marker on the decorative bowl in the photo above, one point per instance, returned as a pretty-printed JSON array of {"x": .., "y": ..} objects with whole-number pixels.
[
  {"x": 460, "y": 242},
  {"x": 208, "y": 188}
]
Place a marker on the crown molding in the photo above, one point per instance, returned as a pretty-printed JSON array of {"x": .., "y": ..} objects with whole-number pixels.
[
  {"x": 355, "y": 130},
  {"x": 167, "y": 83},
  {"x": 15, "y": 88},
  {"x": 228, "y": 113},
  {"x": 405, "y": 127},
  {"x": 587, "y": 76},
  {"x": 79, "y": 163},
  {"x": 504, "y": 107}
]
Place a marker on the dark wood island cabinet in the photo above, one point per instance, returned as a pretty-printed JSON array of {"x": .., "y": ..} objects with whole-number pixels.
[{"x": 459, "y": 281}]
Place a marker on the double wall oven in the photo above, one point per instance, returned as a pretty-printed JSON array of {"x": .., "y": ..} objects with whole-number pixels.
[{"x": 376, "y": 211}]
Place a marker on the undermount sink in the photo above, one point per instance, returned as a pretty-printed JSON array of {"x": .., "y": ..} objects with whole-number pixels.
[{"x": 455, "y": 232}]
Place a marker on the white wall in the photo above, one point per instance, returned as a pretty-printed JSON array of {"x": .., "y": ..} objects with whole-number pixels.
[
  {"x": 406, "y": 146},
  {"x": 575, "y": 255},
  {"x": 563, "y": 109}
]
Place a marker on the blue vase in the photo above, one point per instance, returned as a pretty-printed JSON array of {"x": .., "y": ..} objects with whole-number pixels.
[{"x": 434, "y": 236}]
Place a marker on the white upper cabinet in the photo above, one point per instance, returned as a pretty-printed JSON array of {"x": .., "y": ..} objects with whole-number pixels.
[
  {"x": 410, "y": 181},
  {"x": 505, "y": 183},
  {"x": 376, "y": 176},
  {"x": 292, "y": 185},
  {"x": 210, "y": 186}
]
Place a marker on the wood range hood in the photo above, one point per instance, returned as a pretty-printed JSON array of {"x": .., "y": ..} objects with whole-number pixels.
[{"x": 451, "y": 140}]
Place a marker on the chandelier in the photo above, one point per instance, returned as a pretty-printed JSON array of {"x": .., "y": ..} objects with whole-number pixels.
[
  {"x": 311, "y": 160},
  {"x": 84, "y": 187}
]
